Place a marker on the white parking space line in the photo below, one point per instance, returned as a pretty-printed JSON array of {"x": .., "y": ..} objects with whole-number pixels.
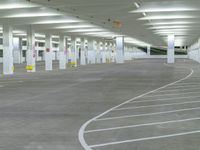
[
  {"x": 10, "y": 82},
  {"x": 165, "y": 99},
  {"x": 188, "y": 83},
  {"x": 170, "y": 94},
  {"x": 147, "y": 114},
  {"x": 145, "y": 139},
  {"x": 1, "y": 86},
  {"x": 177, "y": 90},
  {"x": 84, "y": 126},
  {"x": 160, "y": 105},
  {"x": 187, "y": 86},
  {"x": 142, "y": 125}
]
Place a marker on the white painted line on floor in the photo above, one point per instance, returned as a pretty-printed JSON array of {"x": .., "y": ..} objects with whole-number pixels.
[
  {"x": 11, "y": 82},
  {"x": 181, "y": 87},
  {"x": 164, "y": 99},
  {"x": 159, "y": 105},
  {"x": 177, "y": 90},
  {"x": 148, "y": 114},
  {"x": 184, "y": 86},
  {"x": 1, "y": 86},
  {"x": 145, "y": 139},
  {"x": 142, "y": 125},
  {"x": 84, "y": 126},
  {"x": 171, "y": 94},
  {"x": 188, "y": 83}
]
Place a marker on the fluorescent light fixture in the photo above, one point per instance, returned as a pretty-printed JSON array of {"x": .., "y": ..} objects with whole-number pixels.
[
  {"x": 39, "y": 35},
  {"x": 55, "y": 36},
  {"x": 170, "y": 23},
  {"x": 176, "y": 30},
  {"x": 163, "y": 10},
  {"x": 86, "y": 30},
  {"x": 24, "y": 15},
  {"x": 169, "y": 27},
  {"x": 135, "y": 41},
  {"x": 103, "y": 34},
  {"x": 17, "y": 5},
  {"x": 144, "y": 14},
  {"x": 18, "y": 31},
  {"x": 171, "y": 32},
  {"x": 58, "y": 21},
  {"x": 137, "y": 5},
  {"x": 21, "y": 34},
  {"x": 75, "y": 26},
  {"x": 166, "y": 17}
]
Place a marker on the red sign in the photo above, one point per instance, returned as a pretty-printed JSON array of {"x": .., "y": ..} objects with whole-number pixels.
[{"x": 47, "y": 49}]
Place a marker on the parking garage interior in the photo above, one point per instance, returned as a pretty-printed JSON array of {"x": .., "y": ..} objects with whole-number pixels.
[{"x": 99, "y": 75}]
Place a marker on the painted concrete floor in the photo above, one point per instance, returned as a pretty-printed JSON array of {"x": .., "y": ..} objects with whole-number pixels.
[{"x": 45, "y": 110}]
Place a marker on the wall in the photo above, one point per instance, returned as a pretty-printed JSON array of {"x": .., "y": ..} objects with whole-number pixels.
[{"x": 194, "y": 51}]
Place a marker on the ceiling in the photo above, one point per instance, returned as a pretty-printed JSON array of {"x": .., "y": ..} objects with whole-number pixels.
[{"x": 142, "y": 21}]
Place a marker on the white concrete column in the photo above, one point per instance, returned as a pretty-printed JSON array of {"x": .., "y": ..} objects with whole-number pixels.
[
  {"x": 119, "y": 50},
  {"x": 48, "y": 53},
  {"x": 91, "y": 52},
  {"x": 16, "y": 50},
  {"x": 101, "y": 52},
  {"x": 74, "y": 52},
  {"x": 62, "y": 52},
  {"x": 98, "y": 55},
  {"x": 83, "y": 52},
  {"x": 31, "y": 52},
  {"x": 7, "y": 49},
  {"x": 112, "y": 53},
  {"x": 104, "y": 53},
  {"x": 148, "y": 50},
  {"x": 20, "y": 49},
  {"x": 170, "y": 50}
]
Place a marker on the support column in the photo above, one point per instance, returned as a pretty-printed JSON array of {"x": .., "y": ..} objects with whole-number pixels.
[
  {"x": 48, "y": 53},
  {"x": 20, "y": 49},
  {"x": 16, "y": 51},
  {"x": 98, "y": 56},
  {"x": 31, "y": 52},
  {"x": 83, "y": 53},
  {"x": 7, "y": 49},
  {"x": 62, "y": 52},
  {"x": 104, "y": 53},
  {"x": 148, "y": 50},
  {"x": 119, "y": 50},
  {"x": 91, "y": 52},
  {"x": 170, "y": 50},
  {"x": 74, "y": 61}
]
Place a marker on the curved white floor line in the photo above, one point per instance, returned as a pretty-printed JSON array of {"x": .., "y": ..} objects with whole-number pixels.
[{"x": 84, "y": 126}]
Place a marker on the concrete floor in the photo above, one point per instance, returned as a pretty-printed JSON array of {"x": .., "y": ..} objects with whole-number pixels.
[{"x": 45, "y": 110}]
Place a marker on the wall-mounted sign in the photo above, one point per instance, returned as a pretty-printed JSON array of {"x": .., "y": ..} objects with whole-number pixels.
[{"x": 47, "y": 49}]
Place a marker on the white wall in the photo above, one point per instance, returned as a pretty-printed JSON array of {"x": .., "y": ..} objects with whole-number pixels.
[{"x": 194, "y": 51}]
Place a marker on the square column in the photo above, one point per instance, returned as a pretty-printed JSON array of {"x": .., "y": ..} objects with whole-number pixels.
[
  {"x": 119, "y": 50},
  {"x": 74, "y": 54},
  {"x": 31, "y": 52},
  {"x": 98, "y": 55},
  {"x": 148, "y": 50},
  {"x": 8, "y": 67},
  {"x": 91, "y": 52},
  {"x": 170, "y": 50},
  {"x": 20, "y": 49},
  {"x": 62, "y": 52},
  {"x": 16, "y": 50},
  {"x": 83, "y": 52},
  {"x": 104, "y": 53},
  {"x": 48, "y": 53}
]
